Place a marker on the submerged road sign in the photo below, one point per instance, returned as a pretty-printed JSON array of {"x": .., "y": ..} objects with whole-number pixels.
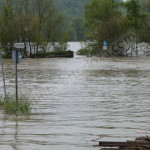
[
  {"x": 19, "y": 45},
  {"x": 19, "y": 56}
]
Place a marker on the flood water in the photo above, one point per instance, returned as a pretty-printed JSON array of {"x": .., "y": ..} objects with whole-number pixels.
[{"x": 76, "y": 100}]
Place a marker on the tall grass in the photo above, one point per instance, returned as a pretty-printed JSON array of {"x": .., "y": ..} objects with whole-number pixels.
[{"x": 22, "y": 107}]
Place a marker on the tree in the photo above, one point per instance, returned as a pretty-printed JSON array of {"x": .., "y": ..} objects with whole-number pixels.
[
  {"x": 71, "y": 8},
  {"x": 7, "y": 30},
  {"x": 134, "y": 14},
  {"x": 112, "y": 29},
  {"x": 77, "y": 24},
  {"x": 41, "y": 7},
  {"x": 29, "y": 21},
  {"x": 104, "y": 21},
  {"x": 144, "y": 31},
  {"x": 53, "y": 24},
  {"x": 133, "y": 10},
  {"x": 97, "y": 12}
]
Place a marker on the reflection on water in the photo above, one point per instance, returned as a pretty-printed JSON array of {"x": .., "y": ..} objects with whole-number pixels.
[{"x": 76, "y": 100}]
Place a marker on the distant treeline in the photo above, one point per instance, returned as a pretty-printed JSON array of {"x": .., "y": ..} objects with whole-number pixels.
[{"x": 74, "y": 17}]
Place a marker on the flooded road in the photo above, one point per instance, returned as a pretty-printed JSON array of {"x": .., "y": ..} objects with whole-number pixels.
[{"x": 76, "y": 100}]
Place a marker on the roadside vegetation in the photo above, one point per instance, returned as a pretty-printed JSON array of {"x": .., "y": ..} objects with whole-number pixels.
[
  {"x": 88, "y": 48},
  {"x": 22, "y": 107},
  {"x": 112, "y": 20}
]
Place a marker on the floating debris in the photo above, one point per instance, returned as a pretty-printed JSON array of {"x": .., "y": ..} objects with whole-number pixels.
[
  {"x": 97, "y": 139},
  {"x": 140, "y": 143}
]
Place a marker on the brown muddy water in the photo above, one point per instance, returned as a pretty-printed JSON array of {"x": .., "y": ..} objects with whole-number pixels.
[{"x": 76, "y": 100}]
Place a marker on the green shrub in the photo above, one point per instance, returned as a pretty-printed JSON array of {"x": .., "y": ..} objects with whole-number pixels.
[
  {"x": 89, "y": 48},
  {"x": 22, "y": 107},
  {"x": 83, "y": 51}
]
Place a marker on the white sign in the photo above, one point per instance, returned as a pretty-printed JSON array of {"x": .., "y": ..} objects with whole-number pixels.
[
  {"x": 104, "y": 47},
  {"x": 19, "y": 45}
]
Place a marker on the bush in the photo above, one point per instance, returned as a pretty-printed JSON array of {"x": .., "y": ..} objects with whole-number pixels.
[
  {"x": 83, "y": 51},
  {"x": 22, "y": 107},
  {"x": 89, "y": 48}
]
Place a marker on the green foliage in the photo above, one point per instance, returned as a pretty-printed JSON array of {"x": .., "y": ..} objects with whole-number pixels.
[
  {"x": 112, "y": 29},
  {"x": 28, "y": 21},
  {"x": 97, "y": 12},
  {"x": 133, "y": 12},
  {"x": 144, "y": 24},
  {"x": 7, "y": 30},
  {"x": 89, "y": 48},
  {"x": 73, "y": 10},
  {"x": 40, "y": 21},
  {"x": 77, "y": 24},
  {"x": 11, "y": 107},
  {"x": 108, "y": 20},
  {"x": 72, "y": 33},
  {"x": 104, "y": 21},
  {"x": 83, "y": 51}
]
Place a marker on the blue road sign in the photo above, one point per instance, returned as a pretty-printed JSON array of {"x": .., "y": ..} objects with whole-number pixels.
[{"x": 105, "y": 43}]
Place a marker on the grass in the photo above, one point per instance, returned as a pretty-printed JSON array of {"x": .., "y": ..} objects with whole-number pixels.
[{"x": 11, "y": 107}]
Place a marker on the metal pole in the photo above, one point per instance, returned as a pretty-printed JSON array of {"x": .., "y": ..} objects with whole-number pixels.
[
  {"x": 3, "y": 77},
  {"x": 16, "y": 77},
  {"x": 136, "y": 43}
]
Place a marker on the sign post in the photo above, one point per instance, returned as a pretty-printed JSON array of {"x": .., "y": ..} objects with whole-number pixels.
[
  {"x": 16, "y": 57},
  {"x": 3, "y": 77},
  {"x": 16, "y": 78}
]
